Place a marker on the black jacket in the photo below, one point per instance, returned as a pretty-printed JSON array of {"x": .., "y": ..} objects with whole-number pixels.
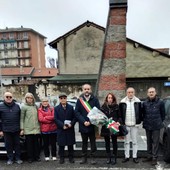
[
  {"x": 81, "y": 114},
  {"x": 153, "y": 114},
  {"x": 10, "y": 117},
  {"x": 138, "y": 112},
  {"x": 65, "y": 136},
  {"x": 111, "y": 111}
]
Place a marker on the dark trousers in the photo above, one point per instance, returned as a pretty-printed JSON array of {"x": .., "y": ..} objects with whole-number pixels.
[
  {"x": 152, "y": 142},
  {"x": 70, "y": 151},
  {"x": 33, "y": 148},
  {"x": 49, "y": 140},
  {"x": 12, "y": 143},
  {"x": 92, "y": 138},
  {"x": 114, "y": 143}
]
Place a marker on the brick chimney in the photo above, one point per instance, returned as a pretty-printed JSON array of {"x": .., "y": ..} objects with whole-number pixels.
[{"x": 112, "y": 73}]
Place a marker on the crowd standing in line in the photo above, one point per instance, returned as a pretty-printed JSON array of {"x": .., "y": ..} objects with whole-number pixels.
[
  {"x": 130, "y": 109},
  {"x": 48, "y": 129},
  {"x": 65, "y": 120},
  {"x": 57, "y": 123}
]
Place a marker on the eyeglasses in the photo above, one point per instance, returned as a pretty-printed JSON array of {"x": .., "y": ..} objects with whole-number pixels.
[
  {"x": 8, "y": 97},
  {"x": 29, "y": 98},
  {"x": 62, "y": 97}
]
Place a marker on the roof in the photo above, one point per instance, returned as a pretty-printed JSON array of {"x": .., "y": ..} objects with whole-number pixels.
[
  {"x": 45, "y": 72},
  {"x": 75, "y": 78},
  {"x": 87, "y": 24},
  {"x": 29, "y": 71},
  {"x": 146, "y": 63},
  {"x": 17, "y": 71},
  {"x": 20, "y": 29}
]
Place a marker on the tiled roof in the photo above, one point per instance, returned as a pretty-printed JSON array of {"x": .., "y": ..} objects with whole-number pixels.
[
  {"x": 45, "y": 72},
  {"x": 24, "y": 71}
]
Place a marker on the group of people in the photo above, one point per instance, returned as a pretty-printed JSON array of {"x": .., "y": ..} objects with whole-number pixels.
[{"x": 56, "y": 124}]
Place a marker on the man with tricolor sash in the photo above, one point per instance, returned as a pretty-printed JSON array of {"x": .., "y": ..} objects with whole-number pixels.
[{"x": 84, "y": 104}]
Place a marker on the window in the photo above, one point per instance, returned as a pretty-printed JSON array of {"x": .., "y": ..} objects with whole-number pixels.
[
  {"x": 5, "y": 46},
  {"x": 11, "y": 35},
  {"x": 12, "y": 45},
  {"x": 26, "y": 44},
  {"x": 6, "y": 61},
  {"x": 25, "y": 35},
  {"x": 4, "y": 35}
]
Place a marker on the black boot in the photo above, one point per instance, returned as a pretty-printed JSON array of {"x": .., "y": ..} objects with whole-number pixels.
[
  {"x": 108, "y": 161},
  {"x": 84, "y": 160},
  {"x": 113, "y": 160}
]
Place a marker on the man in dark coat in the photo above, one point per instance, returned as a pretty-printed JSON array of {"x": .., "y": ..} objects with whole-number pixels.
[
  {"x": 65, "y": 120},
  {"x": 86, "y": 129},
  {"x": 10, "y": 127},
  {"x": 153, "y": 117}
]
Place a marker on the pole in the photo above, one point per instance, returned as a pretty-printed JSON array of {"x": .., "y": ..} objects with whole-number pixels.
[{"x": 1, "y": 82}]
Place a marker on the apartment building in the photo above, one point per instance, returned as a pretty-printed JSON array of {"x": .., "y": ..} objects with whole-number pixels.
[{"x": 22, "y": 55}]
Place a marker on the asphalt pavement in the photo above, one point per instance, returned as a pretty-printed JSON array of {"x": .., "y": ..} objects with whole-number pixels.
[{"x": 100, "y": 158}]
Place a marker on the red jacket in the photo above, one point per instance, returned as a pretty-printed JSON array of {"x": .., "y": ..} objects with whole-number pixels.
[{"x": 46, "y": 119}]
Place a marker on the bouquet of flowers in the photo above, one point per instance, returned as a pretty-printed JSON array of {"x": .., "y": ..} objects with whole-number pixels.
[{"x": 97, "y": 117}]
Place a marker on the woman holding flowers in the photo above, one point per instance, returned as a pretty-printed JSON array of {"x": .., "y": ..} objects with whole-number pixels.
[{"x": 111, "y": 109}]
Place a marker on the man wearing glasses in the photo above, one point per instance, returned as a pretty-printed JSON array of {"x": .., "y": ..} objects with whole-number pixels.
[
  {"x": 86, "y": 129},
  {"x": 10, "y": 128}
]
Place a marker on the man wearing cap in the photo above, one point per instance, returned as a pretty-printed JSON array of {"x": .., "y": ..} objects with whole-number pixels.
[
  {"x": 65, "y": 120},
  {"x": 86, "y": 129}
]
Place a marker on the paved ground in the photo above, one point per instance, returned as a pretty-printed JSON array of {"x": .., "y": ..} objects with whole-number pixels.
[
  {"x": 101, "y": 160},
  {"x": 101, "y": 165}
]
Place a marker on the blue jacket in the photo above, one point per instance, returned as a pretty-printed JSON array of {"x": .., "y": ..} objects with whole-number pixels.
[
  {"x": 81, "y": 114},
  {"x": 10, "y": 117},
  {"x": 153, "y": 114},
  {"x": 65, "y": 136}
]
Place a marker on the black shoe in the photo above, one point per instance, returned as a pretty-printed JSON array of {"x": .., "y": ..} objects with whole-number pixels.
[
  {"x": 147, "y": 160},
  {"x": 113, "y": 161},
  {"x": 135, "y": 160},
  {"x": 71, "y": 160},
  {"x": 61, "y": 160},
  {"x": 108, "y": 161},
  {"x": 125, "y": 160},
  {"x": 154, "y": 162},
  {"x": 30, "y": 160},
  {"x": 84, "y": 160},
  {"x": 38, "y": 160},
  {"x": 93, "y": 161}
]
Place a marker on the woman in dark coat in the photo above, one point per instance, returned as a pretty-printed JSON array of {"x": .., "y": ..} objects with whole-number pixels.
[
  {"x": 65, "y": 120},
  {"x": 111, "y": 109}
]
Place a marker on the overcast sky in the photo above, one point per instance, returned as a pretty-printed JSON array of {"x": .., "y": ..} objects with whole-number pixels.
[{"x": 148, "y": 21}]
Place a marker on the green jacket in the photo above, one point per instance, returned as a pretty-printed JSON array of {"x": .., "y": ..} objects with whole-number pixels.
[{"x": 29, "y": 119}]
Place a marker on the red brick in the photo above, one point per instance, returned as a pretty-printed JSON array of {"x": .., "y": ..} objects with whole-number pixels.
[
  {"x": 112, "y": 82},
  {"x": 118, "y": 20},
  {"x": 118, "y": 12}
]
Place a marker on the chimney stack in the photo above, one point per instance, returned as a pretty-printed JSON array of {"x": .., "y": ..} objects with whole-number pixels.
[{"x": 112, "y": 73}]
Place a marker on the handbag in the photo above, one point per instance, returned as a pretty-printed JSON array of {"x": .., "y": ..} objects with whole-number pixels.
[{"x": 122, "y": 130}]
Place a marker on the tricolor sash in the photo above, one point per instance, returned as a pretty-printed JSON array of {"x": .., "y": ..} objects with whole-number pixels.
[{"x": 85, "y": 104}]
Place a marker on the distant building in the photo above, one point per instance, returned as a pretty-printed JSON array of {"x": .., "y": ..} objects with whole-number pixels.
[
  {"x": 22, "y": 55},
  {"x": 79, "y": 55}
]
